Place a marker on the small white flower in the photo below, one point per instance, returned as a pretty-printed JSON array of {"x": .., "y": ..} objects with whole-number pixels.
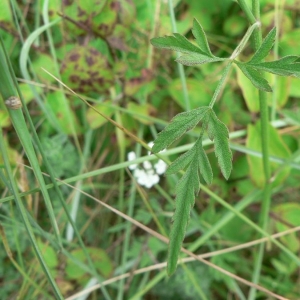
[
  {"x": 150, "y": 145},
  {"x": 154, "y": 179},
  {"x": 149, "y": 175},
  {"x": 160, "y": 167},
  {"x": 141, "y": 176},
  {"x": 147, "y": 165},
  {"x": 131, "y": 156}
]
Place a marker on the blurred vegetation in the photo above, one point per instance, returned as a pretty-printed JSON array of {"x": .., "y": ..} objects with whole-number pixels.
[{"x": 101, "y": 50}]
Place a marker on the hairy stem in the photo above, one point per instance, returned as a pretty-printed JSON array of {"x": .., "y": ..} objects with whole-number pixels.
[{"x": 220, "y": 84}]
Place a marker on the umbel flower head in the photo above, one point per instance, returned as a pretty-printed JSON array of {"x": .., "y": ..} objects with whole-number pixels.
[{"x": 147, "y": 175}]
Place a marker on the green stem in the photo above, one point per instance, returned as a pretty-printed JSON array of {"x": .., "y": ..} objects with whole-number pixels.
[
  {"x": 220, "y": 84},
  {"x": 244, "y": 40},
  {"x": 27, "y": 225},
  {"x": 264, "y": 115},
  {"x": 180, "y": 66},
  {"x": 245, "y": 8}
]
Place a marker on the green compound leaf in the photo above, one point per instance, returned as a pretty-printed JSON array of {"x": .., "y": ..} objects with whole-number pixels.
[
  {"x": 218, "y": 132},
  {"x": 200, "y": 37},
  {"x": 180, "y": 124},
  {"x": 176, "y": 43},
  {"x": 181, "y": 162},
  {"x": 265, "y": 47},
  {"x": 183, "y": 203},
  {"x": 257, "y": 80},
  {"x": 186, "y": 189},
  {"x": 185, "y": 159},
  {"x": 197, "y": 59}
]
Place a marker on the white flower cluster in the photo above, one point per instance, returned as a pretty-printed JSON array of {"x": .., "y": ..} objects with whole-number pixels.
[{"x": 149, "y": 174}]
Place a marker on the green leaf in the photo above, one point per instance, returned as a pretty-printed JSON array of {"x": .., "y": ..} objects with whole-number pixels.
[
  {"x": 200, "y": 37},
  {"x": 254, "y": 76},
  {"x": 180, "y": 124},
  {"x": 249, "y": 91},
  {"x": 184, "y": 202},
  {"x": 197, "y": 59},
  {"x": 93, "y": 118},
  {"x": 288, "y": 213},
  {"x": 181, "y": 162},
  {"x": 265, "y": 47},
  {"x": 177, "y": 43},
  {"x": 279, "y": 68},
  {"x": 184, "y": 160},
  {"x": 193, "y": 86},
  {"x": 218, "y": 132},
  {"x": 186, "y": 189},
  {"x": 205, "y": 167},
  {"x": 292, "y": 116}
]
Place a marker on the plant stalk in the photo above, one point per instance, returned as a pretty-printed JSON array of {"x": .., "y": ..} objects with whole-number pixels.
[{"x": 264, "y": 115}]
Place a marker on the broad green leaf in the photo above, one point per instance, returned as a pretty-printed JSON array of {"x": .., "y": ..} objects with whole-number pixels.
[
  {"x": 86, "y": 70},
  {"x": 276, "y": 147},
  {"x": 254, "y": 76},
  {"x": 292, "y": 116},
  {"x": 282, "y": 90},
  {"x": 141, "y": 110},
  {"x": 64, "y": 114},
  {"x": 265, "y": 47},
  {"x": 294, "y": 87},
  {"x": 290, "y": 43},
  {"x": 94, "y": 119},
  {"x": 200, "y": 37},
  {"x": 289, "y": 213},
  {"x": 5, "y": 12},
  {"x": 197, "y": 59},
  {"x": 102, "y": 263},
  {"x": 43, "y": 60},
  {"x": 177, "y": 43},
  {"x": 218, "y": 132},
  {"x": 180, "y": 124},
  {"x": 193, "y": 86},
  {"x": 49, "y": 254}
]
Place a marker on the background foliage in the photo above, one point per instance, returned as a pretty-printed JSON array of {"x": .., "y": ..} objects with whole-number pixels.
[{"x": 102, "y": 50}]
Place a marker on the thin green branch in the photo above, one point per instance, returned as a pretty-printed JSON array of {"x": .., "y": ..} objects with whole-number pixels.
[
  {"x": 220, "y": 84},
  {"x": 245, "y": 8},
  {"x": 264, "y": 115},
  {"x": 180, "y": 66}
]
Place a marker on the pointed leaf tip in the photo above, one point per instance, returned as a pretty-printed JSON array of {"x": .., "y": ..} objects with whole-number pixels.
[
  {"x": 254, "y": 76},
  {"x": 177, "y": 43},
  {"x": 201, "y": 38},
  {"x": 218, "y": 132},
  {"x": 265, "y": 47}
]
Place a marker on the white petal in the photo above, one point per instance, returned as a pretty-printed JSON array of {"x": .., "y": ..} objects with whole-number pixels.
[
  {"x": 160, "y": 167},
  {"x": 131, "y": 156},
  {"x": 147, "y": 165}
]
